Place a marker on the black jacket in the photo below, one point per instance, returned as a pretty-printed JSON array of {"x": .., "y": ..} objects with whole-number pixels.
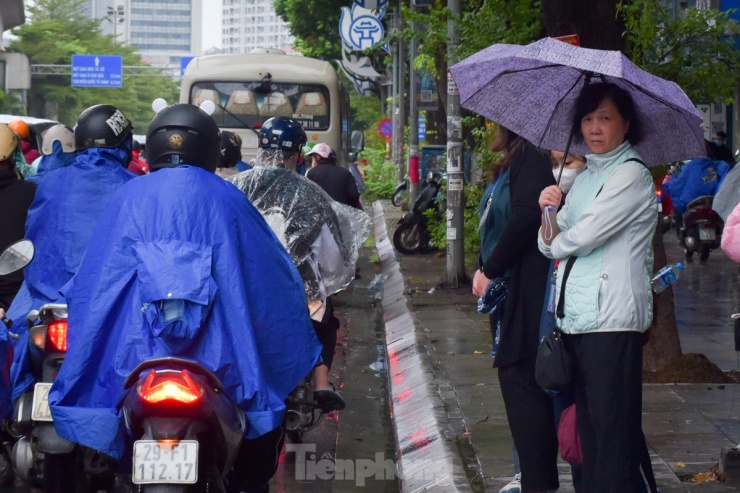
[
  {"x": 16, "y": 196},
  {"x": 337, "y": 182},
  {"x": 531, "y": 172}
]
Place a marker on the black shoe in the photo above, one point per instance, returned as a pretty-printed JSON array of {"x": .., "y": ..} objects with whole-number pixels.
[{"x": 328, "y": 400}]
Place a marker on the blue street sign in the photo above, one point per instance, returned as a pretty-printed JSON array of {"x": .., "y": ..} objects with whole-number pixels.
[
  {"x": 184, "y": 61},
  {"x": 97, "y": 71}
]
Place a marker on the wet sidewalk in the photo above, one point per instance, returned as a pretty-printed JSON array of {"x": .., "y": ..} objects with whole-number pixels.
[{"x": 446, "y": 404}]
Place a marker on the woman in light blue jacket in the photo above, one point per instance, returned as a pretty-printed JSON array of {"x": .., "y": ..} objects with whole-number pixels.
[{"x": 607, "y": 224}]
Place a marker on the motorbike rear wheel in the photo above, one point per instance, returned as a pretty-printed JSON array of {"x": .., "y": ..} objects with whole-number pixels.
[
  {"x": 704, "y": 254},
  {"x": 63, "y": 474},
  {"x": 408, "y": 239}
]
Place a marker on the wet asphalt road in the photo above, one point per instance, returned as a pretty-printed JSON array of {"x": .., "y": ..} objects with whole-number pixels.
[{"x": 706, "y": 294}]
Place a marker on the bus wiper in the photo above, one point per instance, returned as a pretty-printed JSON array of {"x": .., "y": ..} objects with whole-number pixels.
[{"x": 246, "y": 125}]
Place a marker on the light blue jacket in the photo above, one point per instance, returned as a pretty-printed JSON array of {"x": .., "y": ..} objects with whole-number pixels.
[{"x": 608, "y": 222}]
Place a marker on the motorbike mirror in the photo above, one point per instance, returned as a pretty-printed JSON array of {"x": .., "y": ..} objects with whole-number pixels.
[
  {"x": 16, "y": 256},
  {"x": 357, "y": 141}
]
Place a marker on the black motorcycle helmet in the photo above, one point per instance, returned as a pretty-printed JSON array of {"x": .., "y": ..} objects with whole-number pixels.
[
  {"x": 282, "y": 133},
  {"x": 102, "y": 125},
  {"x": 183, "y": 134}
]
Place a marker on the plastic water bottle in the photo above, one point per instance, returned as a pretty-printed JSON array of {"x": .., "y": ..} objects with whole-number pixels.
[{"x": 666, "y": 276}]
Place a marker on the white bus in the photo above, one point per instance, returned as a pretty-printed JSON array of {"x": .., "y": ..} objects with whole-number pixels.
[{"x": 250, "y": 88}]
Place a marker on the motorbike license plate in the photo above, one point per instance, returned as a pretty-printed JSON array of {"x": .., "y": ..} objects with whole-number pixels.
[
  {"x": 165, "y": 462},
  {"x": 707, "y": 234},
  {"x": 40, "y": 410}
]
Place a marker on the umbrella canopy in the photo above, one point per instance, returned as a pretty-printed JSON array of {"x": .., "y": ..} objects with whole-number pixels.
[
  {"x": 532, "y": 90},
  {"x": 728, "y": 195}
]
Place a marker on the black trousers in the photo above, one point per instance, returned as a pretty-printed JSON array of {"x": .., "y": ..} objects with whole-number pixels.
[
  {"x": 532, "y": 424},
  {"x": 326, "y": 332},
  {"x": 257, "y": 462},
  {"x": 608, "y": 393}
]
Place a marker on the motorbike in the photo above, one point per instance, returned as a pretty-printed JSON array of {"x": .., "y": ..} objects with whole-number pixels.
[
  {"x": 186, "y": 432},
  {"x": 412, "y": 235},
  {"x": 40, "y": 456},
  {"x": 702, "y": 228},
  {"x": 401, "y": 193},
  {"x": 14, "y": 258},
  {"x": 303, "y": 412}
]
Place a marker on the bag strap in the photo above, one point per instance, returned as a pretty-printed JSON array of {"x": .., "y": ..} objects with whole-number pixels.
[
  {"x": 560, "y": 312},
  {"x": 627, "y": 161}
]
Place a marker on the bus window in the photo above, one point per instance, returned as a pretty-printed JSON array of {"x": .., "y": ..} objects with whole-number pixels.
[{"x": 251, "y": 103}]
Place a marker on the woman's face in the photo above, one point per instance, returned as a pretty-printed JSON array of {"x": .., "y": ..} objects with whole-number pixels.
[
  {"x": 572, "y": 162},
  {"x": 604, "y": 129}
]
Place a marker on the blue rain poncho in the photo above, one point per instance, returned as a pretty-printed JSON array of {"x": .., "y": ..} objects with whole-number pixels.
[
  {"x": 696, "y": 178},
  {"x": 182, "y": 234},
  {"x": 60, "y": 223},
  {"x": 6, "y": 358},
  {"x": 57, "y": 159}
]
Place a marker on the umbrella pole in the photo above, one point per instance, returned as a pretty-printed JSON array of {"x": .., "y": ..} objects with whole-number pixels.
[
  {"x": 588, "y": 76},
  {"x": 565, "y": 156}
]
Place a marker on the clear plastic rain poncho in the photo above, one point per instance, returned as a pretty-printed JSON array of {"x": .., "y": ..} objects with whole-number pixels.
[{"x": 322, "y": 236}]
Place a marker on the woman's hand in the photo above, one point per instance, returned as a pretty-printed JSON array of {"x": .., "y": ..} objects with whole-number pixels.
[
  {"x": 551, "y": 196},
  {"x": 480, "y": 283}
]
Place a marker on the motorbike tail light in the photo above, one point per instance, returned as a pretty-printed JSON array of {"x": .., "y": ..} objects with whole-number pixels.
[
  {"x": 177, "y": 386},
  {"x": 57, "y": 334}
]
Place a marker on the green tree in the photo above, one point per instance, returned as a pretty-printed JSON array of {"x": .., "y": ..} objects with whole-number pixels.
[
  {"x": 10, "y": 104},
  {"x": 55, "y": 31},
  {"x": 315, "y": 25},
  {"x": 696, "y": 49}
]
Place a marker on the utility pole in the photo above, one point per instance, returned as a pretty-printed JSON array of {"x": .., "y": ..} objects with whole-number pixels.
[
  {"x": 455, "y": 176},
  {"x": 394, "y": 100},
  {"x": 413, "y": 118},
  {"x": 401, "y": 103}
]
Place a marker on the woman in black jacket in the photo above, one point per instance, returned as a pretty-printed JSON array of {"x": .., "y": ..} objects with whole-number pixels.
[{"x": 509, "y": 248}]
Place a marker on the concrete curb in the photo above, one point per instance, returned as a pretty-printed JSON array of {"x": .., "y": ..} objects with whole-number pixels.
[{"x": 426, "y": 460}]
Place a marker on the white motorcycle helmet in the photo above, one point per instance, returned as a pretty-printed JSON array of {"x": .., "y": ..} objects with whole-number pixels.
[
  {"x": 8, "y": 142},
  {"x": 58, "y": 133}
]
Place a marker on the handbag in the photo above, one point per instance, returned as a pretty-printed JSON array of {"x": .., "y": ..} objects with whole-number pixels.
[
  {"x": 570, "y": 442},
  {"x": 494, "y": 296},
  {"x": 554, "y": 365}
]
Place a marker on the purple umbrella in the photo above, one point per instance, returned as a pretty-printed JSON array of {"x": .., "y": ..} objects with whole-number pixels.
[{"x": 532, "y": 90}]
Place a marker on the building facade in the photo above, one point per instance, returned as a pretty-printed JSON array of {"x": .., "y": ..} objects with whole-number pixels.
[
  {"x": 162, "y": 31},
  {"x": 250, "y": 24}
]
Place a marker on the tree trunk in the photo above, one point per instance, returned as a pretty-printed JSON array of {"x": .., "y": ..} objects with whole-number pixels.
[
  {"x": 595, "y": 21},
  {"x": 664, "y": 346}
]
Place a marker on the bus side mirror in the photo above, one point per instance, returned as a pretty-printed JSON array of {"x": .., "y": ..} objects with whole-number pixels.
[{"x": 357, "y": 141}]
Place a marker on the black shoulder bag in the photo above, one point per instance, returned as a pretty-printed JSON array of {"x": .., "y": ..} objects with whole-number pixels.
[{"x": 554, "y": 365}]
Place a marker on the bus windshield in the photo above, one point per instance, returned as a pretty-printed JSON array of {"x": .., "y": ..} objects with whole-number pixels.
[{"x": 251, "y": 103}]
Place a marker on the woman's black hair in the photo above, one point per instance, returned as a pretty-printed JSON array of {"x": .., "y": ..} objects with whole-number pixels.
[
  {"x": 591, "y": 97},
  {"x": 514, "y": 144}
]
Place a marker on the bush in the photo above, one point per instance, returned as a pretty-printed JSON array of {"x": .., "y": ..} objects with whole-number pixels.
[{"x": 381, "y": 175}]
